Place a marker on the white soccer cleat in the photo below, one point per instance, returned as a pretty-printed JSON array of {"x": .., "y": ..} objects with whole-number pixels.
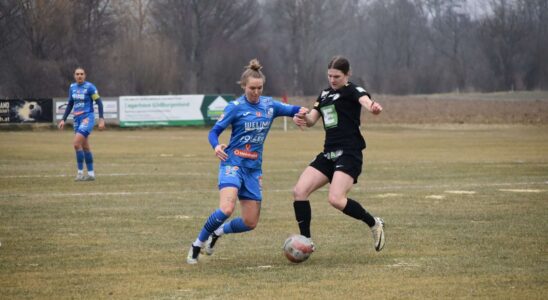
[
  {"x": 192, "y": 256},
  {"x": 89, "y": 178},
  {"x": 210, "y": 243},
  {"x": 313, "y": 245},
  {"x": 80, "y": 177},
  {"x": 378, "y": 234}
]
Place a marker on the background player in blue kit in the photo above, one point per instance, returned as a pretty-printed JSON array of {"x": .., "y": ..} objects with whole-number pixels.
[
  {"x": 82, "y": 94},
  {"x": 340, "y": 162},
  {"x": 240, "y": 174}
]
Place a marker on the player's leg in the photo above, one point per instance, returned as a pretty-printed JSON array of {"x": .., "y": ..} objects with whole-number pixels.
[
  {"x": 77, "y": 143},
  {"x": 227, "y": 202},
  {"x": 250, "y": 195},
  {"x": 85, "y": 128},
  {"x": 312, "y": 178},
  {"x": 338, "y": 190},
  {"x": 88, "y": 158}
]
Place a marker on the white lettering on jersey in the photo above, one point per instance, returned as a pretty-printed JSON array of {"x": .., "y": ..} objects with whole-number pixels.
[
  {"x": 249, "y": 126},
  {"x": 360, "y": 89}
]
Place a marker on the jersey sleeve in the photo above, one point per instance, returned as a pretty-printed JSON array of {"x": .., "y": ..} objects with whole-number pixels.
[
  {"x": 317, "y": 103},
  {"x": 228, "y": 115},
  {"x": 282, "y": 109},
  {"x": 92, "y": 90},
  {"x": 70, "y": 95},
  {"x": 358, "y": 92}
]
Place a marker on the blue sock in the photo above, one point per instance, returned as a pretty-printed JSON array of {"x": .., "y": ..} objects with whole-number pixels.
[
  {"x": 235, "y": 226},
  {"x": 213, "y": 222},
  {"x": 80, "y": 160},
  {"x": 89, "y": 160}
]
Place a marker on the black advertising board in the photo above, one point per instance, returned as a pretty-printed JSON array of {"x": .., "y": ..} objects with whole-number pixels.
[{"x": 26, "y": 111}]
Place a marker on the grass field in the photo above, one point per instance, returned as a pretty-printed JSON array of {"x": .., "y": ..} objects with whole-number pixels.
[{"x": 466, "y": 208}]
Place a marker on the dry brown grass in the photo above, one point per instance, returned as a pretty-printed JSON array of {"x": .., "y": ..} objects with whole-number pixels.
[{"x": 125, "y": 236}]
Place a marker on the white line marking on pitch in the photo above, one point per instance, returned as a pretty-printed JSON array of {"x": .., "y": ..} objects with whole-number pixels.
[
  {"x": 113, "y": 175},
  {"x": 438, "y": 197},
  {"x": 461, "y": 192},
  {"x": 388, "y": 195},
  {"x": 521, "y": 190}
]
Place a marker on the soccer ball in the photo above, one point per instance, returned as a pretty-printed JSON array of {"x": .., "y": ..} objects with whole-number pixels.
[{"x": 297, "y": 248}]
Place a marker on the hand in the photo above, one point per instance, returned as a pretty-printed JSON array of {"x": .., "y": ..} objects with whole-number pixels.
[
  {"x": 61, "y": 124},
  {"x": 101, "y": 124},
  {"x": 220, "y": 152},
  {"x": 375, "y": 108},
  {"x": 300, "y": 117},
  {"x": 303, "y": 111},
  {"x": 299, "y": 120}
]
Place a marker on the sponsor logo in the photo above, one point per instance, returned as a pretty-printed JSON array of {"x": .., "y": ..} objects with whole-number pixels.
[
  {"x": 231, "y": 170},
  {"x": 249, "y": 126},
  {"x": 253, "y": 139},
  {"x": 246, "y": 153},
  {"x": 246, "y": 113},
  {"x": 334, "y": 96}
]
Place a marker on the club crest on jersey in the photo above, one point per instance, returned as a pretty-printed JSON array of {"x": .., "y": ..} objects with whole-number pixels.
[
  {"x": 258, "y": 114},
  {"x": 231, "y": 170},
  {"x": 334, "y": 96},
  {"x": 270, "y": 113},
  {"x": 324, "y": 93}
]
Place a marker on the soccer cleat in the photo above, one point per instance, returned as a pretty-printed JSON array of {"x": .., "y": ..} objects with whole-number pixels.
[
  {"x": 193, "y": 253},
  {"x": 210, "y": 243},
  {"x": 89, "y": 178},
  {"x": 378, "y": 233},
  {"x": 80, "y": 177},
  {"x": 313, "y": 245}
]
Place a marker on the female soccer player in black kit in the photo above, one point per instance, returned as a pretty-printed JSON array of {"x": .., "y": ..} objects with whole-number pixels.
[{"x": 340, "y": 163}]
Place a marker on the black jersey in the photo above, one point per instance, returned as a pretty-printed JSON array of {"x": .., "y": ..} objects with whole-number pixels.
[{"x": 340, "y": 110}]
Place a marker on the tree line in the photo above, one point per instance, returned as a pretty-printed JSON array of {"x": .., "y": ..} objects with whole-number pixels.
[{"x": 138, "y": 47}]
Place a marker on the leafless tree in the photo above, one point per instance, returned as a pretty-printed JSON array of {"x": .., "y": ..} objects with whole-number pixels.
[{"x": 194, "y": 25}]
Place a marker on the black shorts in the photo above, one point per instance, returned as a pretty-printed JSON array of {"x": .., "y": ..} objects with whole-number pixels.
[{"x": 347, "y": 161}]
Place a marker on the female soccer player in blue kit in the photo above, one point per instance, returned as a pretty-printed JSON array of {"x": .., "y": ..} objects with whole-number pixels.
[
  {"x": 240, "y": 174},
  {"x": 82, "y": 94}
]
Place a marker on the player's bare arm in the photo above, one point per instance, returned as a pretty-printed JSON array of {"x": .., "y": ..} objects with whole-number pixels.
[{"x": 372, "y": 106}]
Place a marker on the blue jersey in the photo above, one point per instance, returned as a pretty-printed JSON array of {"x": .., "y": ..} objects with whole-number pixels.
[
  {"x": 250, "y": 125},
  {"x": 82, "y": 97}
]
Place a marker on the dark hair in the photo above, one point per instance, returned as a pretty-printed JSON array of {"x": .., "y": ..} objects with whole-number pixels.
[
  {"x": 80, "y": 68},
  {"x": 253, "y": 69},
  {"x": 340, "y": 63}
]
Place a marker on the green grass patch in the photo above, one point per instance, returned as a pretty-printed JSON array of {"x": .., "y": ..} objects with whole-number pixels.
[{"x": 466, "y": 209}]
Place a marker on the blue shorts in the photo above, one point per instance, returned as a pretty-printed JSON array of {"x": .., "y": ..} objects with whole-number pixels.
[
  {"x": 83, "y": 124},
  {"x": 247, "y": 181}
]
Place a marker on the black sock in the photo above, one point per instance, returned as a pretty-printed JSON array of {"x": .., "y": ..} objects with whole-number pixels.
[
  {"x": 356, "y": 210},
  {"x": 303, "y": 214}
]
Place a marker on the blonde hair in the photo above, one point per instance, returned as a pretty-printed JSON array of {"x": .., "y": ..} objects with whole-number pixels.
[{"x": 253, "y": 69}]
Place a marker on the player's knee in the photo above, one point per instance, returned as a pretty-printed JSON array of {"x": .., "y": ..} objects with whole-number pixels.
[
  {"x": 299, "y": 193},
  {"x": 227, "y": 210},
  {"x": 336, "y": 201},
  {"x": 227, "y": 206},
  {"x": 251, "y": 224}
]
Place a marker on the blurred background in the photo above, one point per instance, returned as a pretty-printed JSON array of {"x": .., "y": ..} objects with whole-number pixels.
[{"x": 398, "y": 47}]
